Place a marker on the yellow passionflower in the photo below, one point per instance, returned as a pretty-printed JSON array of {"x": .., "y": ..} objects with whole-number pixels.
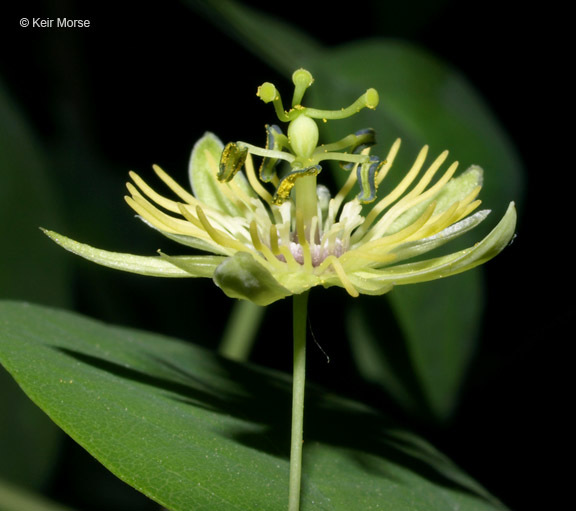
[{"x": 275, "y": 232}]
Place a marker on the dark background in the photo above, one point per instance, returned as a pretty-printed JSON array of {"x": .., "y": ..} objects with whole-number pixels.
[{"x": 147, "y": 79}]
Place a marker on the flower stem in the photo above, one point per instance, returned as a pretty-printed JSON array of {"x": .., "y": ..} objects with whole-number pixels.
[
  {"x": 241, "y": 330},
  {"x": 300, "y": 303}
]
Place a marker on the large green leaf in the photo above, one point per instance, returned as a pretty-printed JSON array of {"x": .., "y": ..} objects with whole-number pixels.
[
  {"x": 423, "y": 100},
  {"x": 194, "y": 431}
]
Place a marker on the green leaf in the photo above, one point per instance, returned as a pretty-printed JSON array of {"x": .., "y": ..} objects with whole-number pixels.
[{"x": 194, "y": 431}]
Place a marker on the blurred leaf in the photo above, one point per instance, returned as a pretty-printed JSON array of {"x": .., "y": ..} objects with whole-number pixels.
[
  {"x": 282, "y": 46},
  {"x": 441, "y": 337},
  {"x": 423, "y": 370},
  {"x": 14, "y": 498},
  {"x": 31, "y": 269},
  {"x": 192, "y": 430},
  {"x": 424, "y": 101}
]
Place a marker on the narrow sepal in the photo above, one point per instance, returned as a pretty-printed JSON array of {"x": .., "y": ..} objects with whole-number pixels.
[{"x": 152, "y": 266}]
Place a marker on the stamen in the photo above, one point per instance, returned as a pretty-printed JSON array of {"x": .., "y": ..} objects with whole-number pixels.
[
  {"x": 161, "y": 220},
  {"x": 337, "y": 266},
  {"x": 314, "y": 234},
  {"x": 184, "y": 210},
  {"x": 302, "y": 240},
  {"x": 174, "y": 186},
  {"x": 412, "y": 199},
  {"x": 438, "y": 223},
  {"x": 293, "y": 264},
  {"x": 468, "y": 209},
  {"x": 429, "y": 174},
  {"x": 274, "y": 240},
  {"x": 344, "y": 191},
  {"x": 392, "y": 239},
  {"x": 261, "y": 247},
  {"x": 219, "y": 237},
  {"x": 469, "y": 201},
  {"x": 168, "y": 204},
  {"x": 392, "y": 196},
  {"x": 254, "y": 182},
  {"x": 389, "y": 161}
]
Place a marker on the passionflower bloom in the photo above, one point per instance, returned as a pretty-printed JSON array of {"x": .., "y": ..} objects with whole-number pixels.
[{"x": 272, "y": 232}]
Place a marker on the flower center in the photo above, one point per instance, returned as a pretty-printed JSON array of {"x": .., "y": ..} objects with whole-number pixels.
[
  {"x": 318, "y": 252},
  {"x": 300, "y": 152}
]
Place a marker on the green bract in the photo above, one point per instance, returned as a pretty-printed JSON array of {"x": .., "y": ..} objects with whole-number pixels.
[{"x": 275, "y": 232}]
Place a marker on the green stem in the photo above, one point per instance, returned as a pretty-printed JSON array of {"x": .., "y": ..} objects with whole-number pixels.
[
  {"x": 306, "y": 201},
  {"x": 241, "y": 329},
  {"x": 300, "y": 303}
]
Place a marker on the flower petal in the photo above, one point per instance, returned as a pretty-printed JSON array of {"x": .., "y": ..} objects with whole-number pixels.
[
  {"x": 203, "y": 169},
  {"x": 152, "y": 266},
  {"x": 457, "y": 189},
  {"x": 190, "y": 241},
  {"x": 451, "y": 264},
  {"x": 419, "y": 247}
]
